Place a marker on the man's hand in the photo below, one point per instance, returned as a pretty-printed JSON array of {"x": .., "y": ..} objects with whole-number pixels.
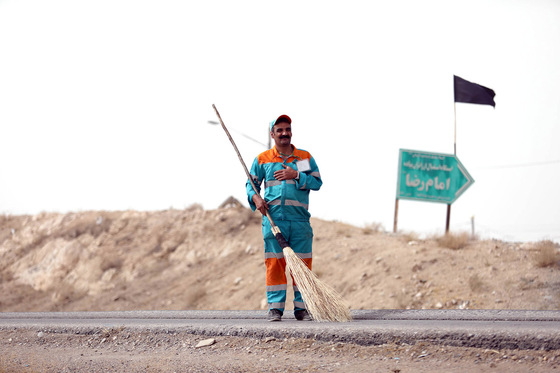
[
  {"x": 287, "y": 173},
  {"x": 261, "y": 204}
]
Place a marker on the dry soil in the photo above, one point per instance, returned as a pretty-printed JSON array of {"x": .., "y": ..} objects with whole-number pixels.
[{"x": 207, "y": 260}]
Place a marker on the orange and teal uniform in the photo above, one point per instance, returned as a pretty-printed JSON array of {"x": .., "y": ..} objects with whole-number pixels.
[{"x": 288, "y": 202}]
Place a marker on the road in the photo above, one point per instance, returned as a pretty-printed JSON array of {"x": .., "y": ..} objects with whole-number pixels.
[{"x": 492, "y": 329}]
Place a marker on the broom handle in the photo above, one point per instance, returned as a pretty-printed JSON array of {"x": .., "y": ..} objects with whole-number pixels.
[{"x": 244, "y": 166}]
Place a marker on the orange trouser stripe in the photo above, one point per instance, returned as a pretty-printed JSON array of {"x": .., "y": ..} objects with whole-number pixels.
[{"x": 276, "y": 270}]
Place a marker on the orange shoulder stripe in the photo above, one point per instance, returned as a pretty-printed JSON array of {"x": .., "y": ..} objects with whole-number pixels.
[
  {"x": 268, "y": 156},
  {"x": 302, "y": 154}
]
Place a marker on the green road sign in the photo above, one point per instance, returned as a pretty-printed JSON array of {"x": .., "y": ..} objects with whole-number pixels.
[{"x": 432, "y": 177}]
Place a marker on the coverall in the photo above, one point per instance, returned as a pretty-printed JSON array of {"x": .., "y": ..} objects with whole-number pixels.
[{"x": 288, "y": 202}]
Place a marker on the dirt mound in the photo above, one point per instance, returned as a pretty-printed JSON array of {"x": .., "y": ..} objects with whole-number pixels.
[{"x": 198, "y": 259}]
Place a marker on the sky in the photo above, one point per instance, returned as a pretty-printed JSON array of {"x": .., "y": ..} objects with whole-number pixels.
[{"x": 105, "y": 105}]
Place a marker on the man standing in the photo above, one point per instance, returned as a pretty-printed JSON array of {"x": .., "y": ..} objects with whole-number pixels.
[{"x": 288, "y": 175}]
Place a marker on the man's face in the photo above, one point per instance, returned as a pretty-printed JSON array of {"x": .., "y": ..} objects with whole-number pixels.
[{"x": 282, "y": 134}]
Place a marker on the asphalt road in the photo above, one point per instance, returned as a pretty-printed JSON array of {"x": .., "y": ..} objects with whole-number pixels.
[{"x": 493, "y": 329}]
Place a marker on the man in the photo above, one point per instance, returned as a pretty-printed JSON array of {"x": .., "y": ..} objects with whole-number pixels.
[{"x": 288, "y": 174}]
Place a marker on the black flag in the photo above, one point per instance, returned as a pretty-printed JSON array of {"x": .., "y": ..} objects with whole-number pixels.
[{"x": 472, "y": 93}]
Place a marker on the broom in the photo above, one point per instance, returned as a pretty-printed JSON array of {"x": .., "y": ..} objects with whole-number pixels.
[{"x": 321, "y": 300}]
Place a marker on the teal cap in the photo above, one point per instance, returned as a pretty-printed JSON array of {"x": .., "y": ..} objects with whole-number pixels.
[{"x": 280, "y": 119}]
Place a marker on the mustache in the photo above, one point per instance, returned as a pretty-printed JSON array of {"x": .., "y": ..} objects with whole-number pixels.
[{"x": 284, "y": 137}]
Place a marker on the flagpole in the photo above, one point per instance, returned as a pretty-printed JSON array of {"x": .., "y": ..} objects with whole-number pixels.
[
  {"x": 455, "y": 130},
  {"x": 472, "y": 93},
  {"x": 448, "y": 218}
]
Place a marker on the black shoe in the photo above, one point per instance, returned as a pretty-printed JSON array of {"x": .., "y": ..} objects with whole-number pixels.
[
  {"x": 302, "y": 315},
  {"x": 274, "y": 315}
]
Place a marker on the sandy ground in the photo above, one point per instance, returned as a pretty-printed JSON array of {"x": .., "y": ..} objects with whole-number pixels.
[
  {"x": 124, "y": 351},
  {"x": 198, "y": 259}
]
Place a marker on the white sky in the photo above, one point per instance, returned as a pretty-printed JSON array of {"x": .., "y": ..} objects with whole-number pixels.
[{"x": 105, "y": 105}]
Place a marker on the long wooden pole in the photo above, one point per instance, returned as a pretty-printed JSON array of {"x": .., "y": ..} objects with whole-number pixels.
[{"x": 273, "y": 226}]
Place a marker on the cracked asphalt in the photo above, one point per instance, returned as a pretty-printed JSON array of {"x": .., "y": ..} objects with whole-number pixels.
[{"x": 492, "y": 329}]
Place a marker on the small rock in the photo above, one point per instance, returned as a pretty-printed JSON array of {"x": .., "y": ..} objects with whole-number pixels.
[
  {"x": 40, "y": 334},
  {"x": 206, "y": 343},
  {"x": 439, "y": 305}
]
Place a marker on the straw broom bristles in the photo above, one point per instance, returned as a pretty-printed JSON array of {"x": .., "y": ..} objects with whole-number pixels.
[{"x": 321, "y": 300}]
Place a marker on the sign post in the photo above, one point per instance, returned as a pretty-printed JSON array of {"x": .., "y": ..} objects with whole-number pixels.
[{"x": 430, "y": 177}]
